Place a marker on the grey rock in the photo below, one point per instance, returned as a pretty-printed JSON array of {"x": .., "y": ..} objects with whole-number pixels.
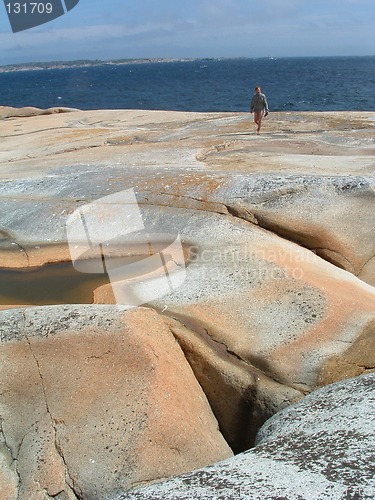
[{"x": 322, "y": 447}]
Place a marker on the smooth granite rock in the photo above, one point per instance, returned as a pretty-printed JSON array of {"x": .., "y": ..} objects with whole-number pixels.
[
  {"x": 270, "y": 294},
  {"x": 94, "y": 400},
  {"x": 322, "y": 447},
  {"x": 276, "y": 307}
]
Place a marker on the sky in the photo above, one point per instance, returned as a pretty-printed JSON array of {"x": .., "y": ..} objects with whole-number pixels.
[{"x": 121, "y": 29}]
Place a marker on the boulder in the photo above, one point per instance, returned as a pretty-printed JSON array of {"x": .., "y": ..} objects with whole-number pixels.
[
  {"x": 28, "y": 111},
  {"x": 95, "y": 400},
  {"x": 328, "y": 215},
  {"x": 274, "y": 304},
  {"x": 321, "y": 447},
  {"x": 262, "y": 317}
]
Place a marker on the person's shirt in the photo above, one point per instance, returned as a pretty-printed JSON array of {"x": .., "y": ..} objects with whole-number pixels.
[{"x": 259, "y": 103}]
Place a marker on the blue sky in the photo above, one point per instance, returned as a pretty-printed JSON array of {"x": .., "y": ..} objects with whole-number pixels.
[{"x": 111, "y": 29}]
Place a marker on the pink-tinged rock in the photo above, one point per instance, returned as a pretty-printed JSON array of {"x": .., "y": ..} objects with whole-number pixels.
[
  {"x": 280, "y": 308},
  {"x": 94, "y": 399}
]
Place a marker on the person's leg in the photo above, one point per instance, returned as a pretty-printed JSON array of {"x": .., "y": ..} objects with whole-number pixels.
[{"x": 258, "y": 120}]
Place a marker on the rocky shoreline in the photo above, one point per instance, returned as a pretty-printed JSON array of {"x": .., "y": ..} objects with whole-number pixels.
[
  {"x": 270, "y": 308},
  {"x": 39, "y": 66}
]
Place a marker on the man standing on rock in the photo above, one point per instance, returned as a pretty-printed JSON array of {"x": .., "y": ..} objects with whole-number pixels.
[{"x": 260, "y": 107}]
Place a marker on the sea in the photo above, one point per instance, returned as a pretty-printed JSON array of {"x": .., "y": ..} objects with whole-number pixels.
[{"x": 207, "y": 85}]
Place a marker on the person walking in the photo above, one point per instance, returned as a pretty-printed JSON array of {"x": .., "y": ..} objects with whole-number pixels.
[{"x": 259, "y": 106}]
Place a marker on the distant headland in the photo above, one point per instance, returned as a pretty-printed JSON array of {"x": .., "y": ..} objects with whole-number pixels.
[{"x": 82, "y": 63}]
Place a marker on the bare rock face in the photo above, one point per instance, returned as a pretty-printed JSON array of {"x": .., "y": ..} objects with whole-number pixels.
[
  {"x": 328, "y": 215},
  {"x": 261, "y": 317},
  {"x": 28, "y": 111},
  {"x": 94, "y": 401},
  {"x": 278, "y": 299},
  {"x": 285, "y": 322},
  {"x": 274, "y": 304},
  {"x": 321, "y": 447}
]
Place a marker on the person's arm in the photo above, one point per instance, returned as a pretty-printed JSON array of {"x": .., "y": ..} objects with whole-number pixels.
[
  {"x": 266, "y": 105},
  {"x": 252, "y": 105}
]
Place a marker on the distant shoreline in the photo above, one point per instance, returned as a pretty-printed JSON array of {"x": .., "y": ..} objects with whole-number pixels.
[
  {"x": 39, "y": 66},
  {"x": 88, "y": 63}
]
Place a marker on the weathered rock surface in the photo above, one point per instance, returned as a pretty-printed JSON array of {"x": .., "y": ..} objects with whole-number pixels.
[
  {"x": 328, "y": 215},
  {"x": 309, "y": 178},
  {"x": 9, "y": 112},
  {"x": 278, "y": 234},
  {"x": 95, "y": 400},
  {"x": 322, "y": 447},
  {"x": 267, "y": 306}
]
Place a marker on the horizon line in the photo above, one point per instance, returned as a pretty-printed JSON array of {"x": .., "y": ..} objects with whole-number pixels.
[{"x": 134, "y": 60}]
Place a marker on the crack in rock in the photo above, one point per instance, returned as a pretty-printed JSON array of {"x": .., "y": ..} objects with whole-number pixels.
[
  {"x": 243, "y": 213},
  {"x": 210, "y": 338},
  {"x": 229, "y": 351},
  {"x": 247, "y": 363},
  {"x": 7, "y": 237},
  {"x": 69, "y": 480},
  {"x": 365, "y": 264},
  {"x": 203, "y": 204},
  {"x": 322, "y": 253},
  {"x": 8, "y": 454},
  {"x": 101, "y": 356}
]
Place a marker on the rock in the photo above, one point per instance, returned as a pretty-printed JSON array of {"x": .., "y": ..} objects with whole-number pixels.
[
  {"x": 95, "y": 400},
  {"x": 282, "y": 320},
  {"x": 321, "y": 447},
  {"x": 295, "y": 183},
  {"x": 328, "y": 215},
  {"x": 261, "y": 317},
  {"x": 9, "y": 112},
  {"x": 242, "y": 397},
  {"x": 281, "y": 309},
  {"x": 277, "y": 234}
]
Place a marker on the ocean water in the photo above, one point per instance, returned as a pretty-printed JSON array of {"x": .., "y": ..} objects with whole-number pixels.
[{"x": 290, "y": 84}]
